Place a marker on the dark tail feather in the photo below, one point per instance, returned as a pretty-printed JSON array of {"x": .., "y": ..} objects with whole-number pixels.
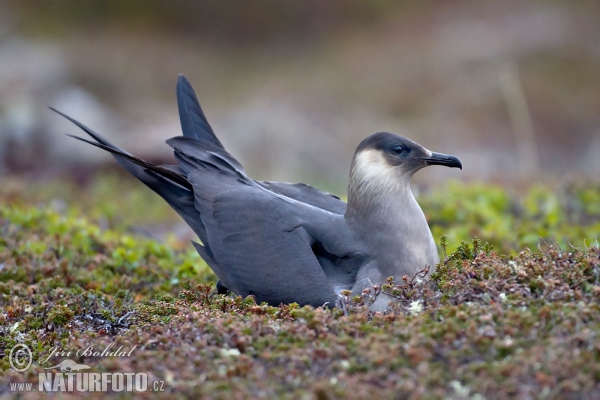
[
  {"x": 124, "y": 158},
  {"x": 170, "y": 182},
  {"x": 163, "y": 171},
  {"x": 193, "y": 121},
  {"x": 90, "y": 132}
]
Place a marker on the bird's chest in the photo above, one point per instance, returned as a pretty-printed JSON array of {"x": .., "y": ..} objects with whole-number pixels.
[{"x": 402, "y": 243}]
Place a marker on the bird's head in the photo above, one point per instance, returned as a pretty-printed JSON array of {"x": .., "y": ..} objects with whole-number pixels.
[{"x": 386, "y": 161}]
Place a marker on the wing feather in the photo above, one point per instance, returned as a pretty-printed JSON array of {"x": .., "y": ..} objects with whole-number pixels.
[{"x": 259, "y": 242}]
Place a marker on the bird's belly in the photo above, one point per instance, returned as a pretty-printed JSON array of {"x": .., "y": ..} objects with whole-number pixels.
[
  {"x": 416, "y": 256},
  {"x": 398, "y": 255}
]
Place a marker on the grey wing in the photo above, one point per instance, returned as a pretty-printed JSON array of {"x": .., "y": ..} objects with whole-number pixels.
[
  {"x": 195, "y": 126},
  {"x": 255, "y": 239},
  {"x": 258, "y": 242},
  {"x": 194, "y": 123},
  {"x": 307, "y": 194}
]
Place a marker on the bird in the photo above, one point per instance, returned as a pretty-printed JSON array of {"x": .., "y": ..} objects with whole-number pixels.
[{"x": 291, "y": 242}]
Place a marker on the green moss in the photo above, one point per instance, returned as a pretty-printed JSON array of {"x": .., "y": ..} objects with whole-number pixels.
[
  {"x": 569, "y": 216},
  {"x": 60, "y": 315}
]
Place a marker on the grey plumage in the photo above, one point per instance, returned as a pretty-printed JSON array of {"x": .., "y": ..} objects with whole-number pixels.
[{"x": 285, "y": 242}]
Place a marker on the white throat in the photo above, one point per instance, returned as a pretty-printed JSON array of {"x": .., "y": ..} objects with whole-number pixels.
[{"x": 373, "y": 180}]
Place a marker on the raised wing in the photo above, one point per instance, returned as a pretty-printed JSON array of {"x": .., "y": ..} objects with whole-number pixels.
[
  {"x": 194, "y": 124},
  {"x": 193, "y": 121}
]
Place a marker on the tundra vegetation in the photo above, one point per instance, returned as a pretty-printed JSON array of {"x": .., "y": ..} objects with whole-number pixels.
[{"x": 512, "y": 311}]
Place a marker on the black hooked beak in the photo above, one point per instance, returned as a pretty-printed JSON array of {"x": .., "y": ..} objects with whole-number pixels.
[{"x": 442, "y": 159}]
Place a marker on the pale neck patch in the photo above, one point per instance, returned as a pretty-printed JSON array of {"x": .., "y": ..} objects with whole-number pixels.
[
  {"x": 372, "y": 173},
  {"x": 375, "y": 185}
]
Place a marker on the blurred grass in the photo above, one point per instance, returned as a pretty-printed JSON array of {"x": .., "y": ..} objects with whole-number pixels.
[
  {"x": 566, "y": 216},
  {"x": 108, "y": 198}
]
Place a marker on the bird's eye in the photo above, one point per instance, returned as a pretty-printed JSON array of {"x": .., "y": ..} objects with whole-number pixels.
[{"x": 399, "y": 149}]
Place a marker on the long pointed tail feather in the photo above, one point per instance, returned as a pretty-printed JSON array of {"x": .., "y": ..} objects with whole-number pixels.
[
  {"x": 169, "y": 181},
  {"x": 163, "y": 171},
  {"x": 90, "y": 132}
]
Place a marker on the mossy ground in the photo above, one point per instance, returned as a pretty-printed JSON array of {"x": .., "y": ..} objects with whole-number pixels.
[{"x": 521, "y": 325}]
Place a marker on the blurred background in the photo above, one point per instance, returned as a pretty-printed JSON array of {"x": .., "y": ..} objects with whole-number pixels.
[{"x": 512, "y": 88}]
